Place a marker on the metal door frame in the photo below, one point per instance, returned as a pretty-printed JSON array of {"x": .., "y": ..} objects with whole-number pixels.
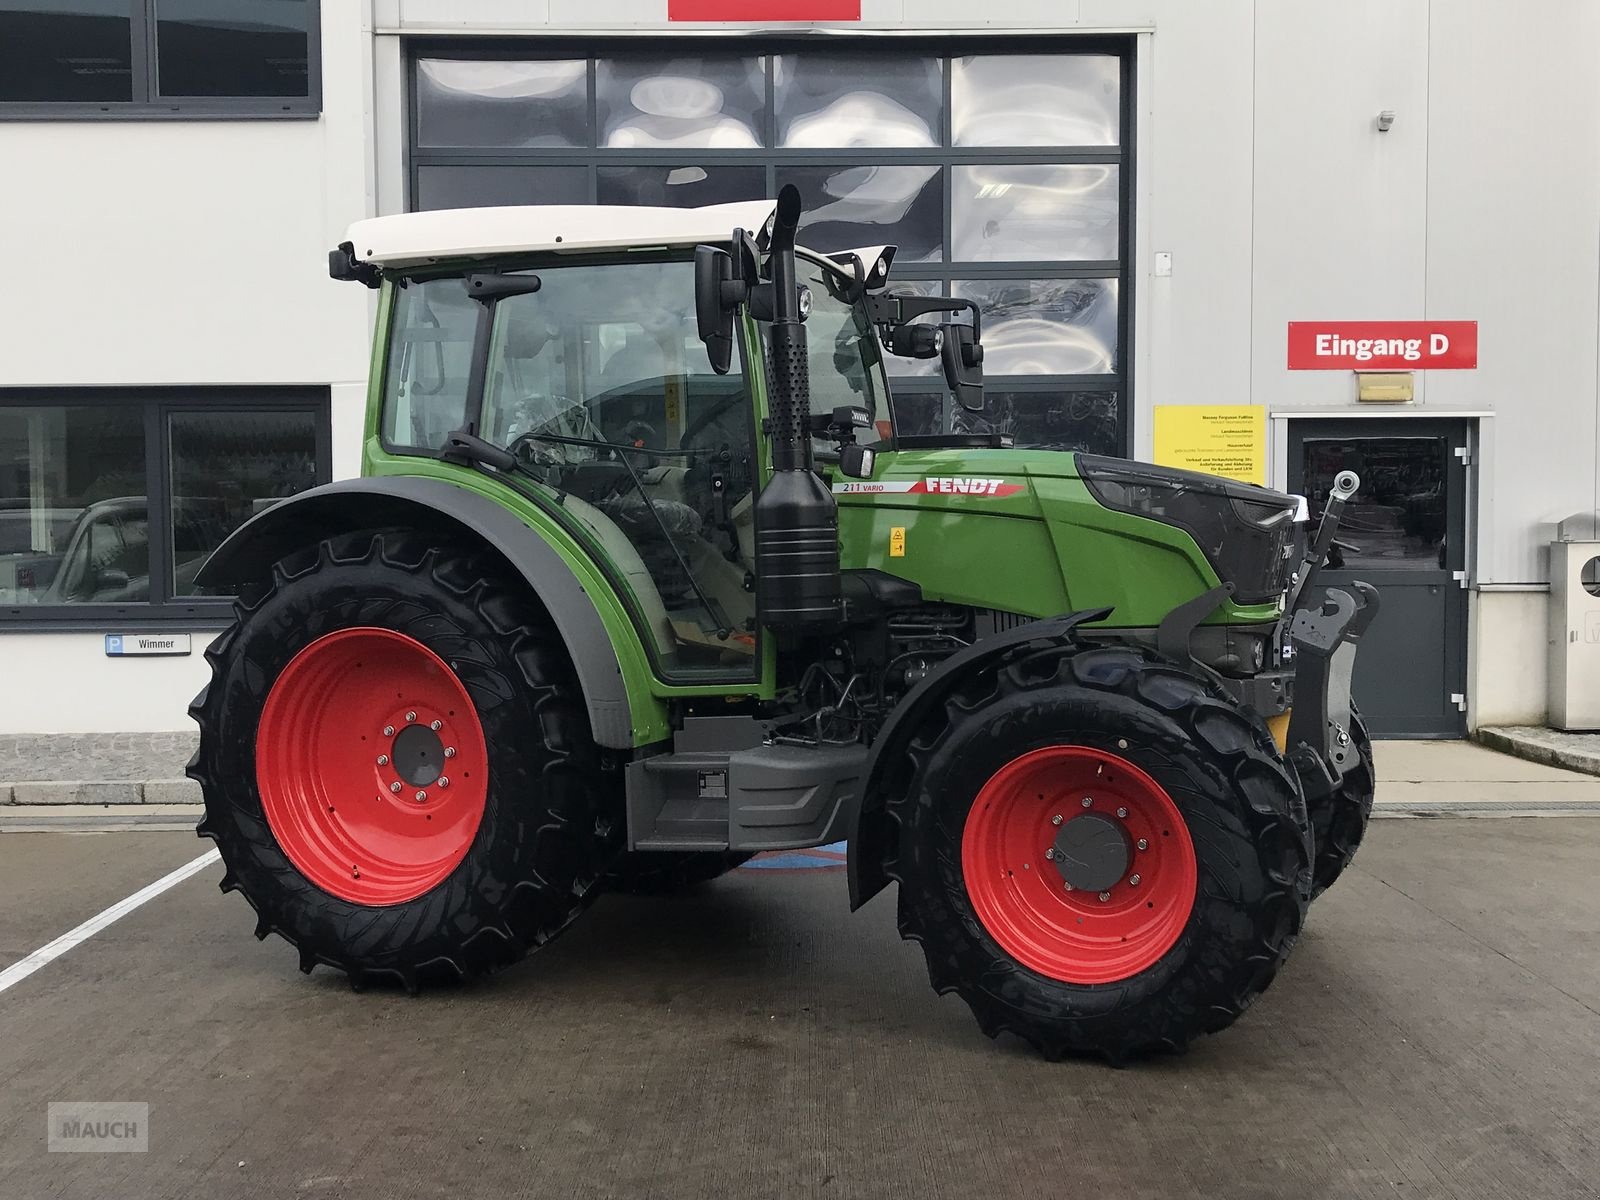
[{"x": 1460, "y": 432}]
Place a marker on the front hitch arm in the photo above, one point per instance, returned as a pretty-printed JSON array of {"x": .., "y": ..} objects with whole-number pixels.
[{"x": 1325, "y": 638}]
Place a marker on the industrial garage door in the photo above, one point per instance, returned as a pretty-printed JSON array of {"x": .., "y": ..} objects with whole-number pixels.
[{"x": 1001, "y": 172}]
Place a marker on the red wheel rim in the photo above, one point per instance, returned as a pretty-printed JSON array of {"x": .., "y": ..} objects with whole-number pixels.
[
  {"x": 1023, "y": 898},
  {"x": 358, "y": 819}
]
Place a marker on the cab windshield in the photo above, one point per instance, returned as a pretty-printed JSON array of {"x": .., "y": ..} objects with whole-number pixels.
[{"x": 845, "y": 356}]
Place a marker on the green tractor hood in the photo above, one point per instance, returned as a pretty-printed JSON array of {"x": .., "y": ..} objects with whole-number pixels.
[{"x": 994, "y": 528}]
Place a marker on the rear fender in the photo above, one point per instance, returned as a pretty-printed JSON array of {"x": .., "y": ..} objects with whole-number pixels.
[
  {"x": 452, "y": 513},
  {"x": 873, "y": 836}
]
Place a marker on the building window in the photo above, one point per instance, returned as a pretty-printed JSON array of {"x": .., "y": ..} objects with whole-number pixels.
[
  {"x": 1003, "y": 176},
  {"x": 111, "y": 501},
  {"x": 149, "y": 58}
]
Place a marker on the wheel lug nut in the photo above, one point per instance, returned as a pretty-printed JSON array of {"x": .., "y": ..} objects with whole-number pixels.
[
  {"x": 1056, "y": 820},
  {"x": 1122, "y": 812},
  {"x": 1050, "y": 852},
  {"x": 444, "y": 781},
  {"x": 1143, "y": 845},
  {"x": 395, "y": 786},
  {"x": 436, "y": 726},
  {"x": 421, "y": 796},
  {"x": 449, "y": 751},
  {"x": 1088, "y": 801},
  {"x": 1068, "y": 887},
  {"x": 1104, "y": 896},
  {"x": 1133, "y": 881},
  {"x": 411, "y": 716},
  {"x": 388, "y": 731},
  {"x": 383, "y": 760}
]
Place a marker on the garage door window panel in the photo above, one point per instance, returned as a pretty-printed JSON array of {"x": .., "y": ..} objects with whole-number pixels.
[
  {"x": 533, "y": 104},
  {"x": 1036, "y": 100},
  {"x": 1004, "y": 212},
  {"x": 683, "y": 185},
  {"x": 695, "y": 102},
  {"x": 1046, "y": 326},
  {"x": 832, "y": 101},
  {"x": 872, "y": 204}
]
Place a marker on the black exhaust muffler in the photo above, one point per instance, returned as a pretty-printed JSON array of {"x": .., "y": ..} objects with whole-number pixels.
[{"x": 797, "y": 520}]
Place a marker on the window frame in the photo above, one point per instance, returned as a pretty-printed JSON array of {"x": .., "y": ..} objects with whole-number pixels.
[
  {"x": 157, "y": 405},
  {"x": 772, "y": 158},
  {"x": 147, "y": 104}
]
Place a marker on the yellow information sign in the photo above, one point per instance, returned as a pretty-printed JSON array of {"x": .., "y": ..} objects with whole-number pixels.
[
  {"x": 1219, "y": 439},
  {"x": 897, "y": 541}
]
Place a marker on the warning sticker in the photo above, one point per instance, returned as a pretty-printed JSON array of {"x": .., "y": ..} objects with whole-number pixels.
[{"x": 897, "y": 541}]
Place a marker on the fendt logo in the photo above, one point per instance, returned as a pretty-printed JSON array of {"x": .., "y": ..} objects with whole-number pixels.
[
  {"x": 944, "y": 485},
  {"x": 962, "y": 486}
]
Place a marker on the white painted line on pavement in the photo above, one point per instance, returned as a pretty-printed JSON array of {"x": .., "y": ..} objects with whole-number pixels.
[{"x": 46, "y": 954}]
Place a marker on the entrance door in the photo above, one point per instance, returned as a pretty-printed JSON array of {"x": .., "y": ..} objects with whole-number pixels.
[{"x": 1409, "y": 522}]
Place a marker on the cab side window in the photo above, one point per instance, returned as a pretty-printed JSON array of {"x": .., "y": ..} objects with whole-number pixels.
[{"x": 430, "y": 357}]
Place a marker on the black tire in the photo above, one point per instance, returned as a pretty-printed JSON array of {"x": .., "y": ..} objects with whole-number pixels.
[
  {"x": 667, "y": 873},
  {"x": 1241, "y": 805},
  {"x": 551, "y": 820},
  {"x": 1339, "y": 821}
]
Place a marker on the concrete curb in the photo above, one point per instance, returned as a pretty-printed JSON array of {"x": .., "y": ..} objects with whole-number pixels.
[
  {"x": 98, "y": 793},
  {"x": 1571, "y": 751}
]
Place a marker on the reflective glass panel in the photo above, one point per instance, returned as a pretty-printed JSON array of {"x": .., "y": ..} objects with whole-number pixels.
[
  {"x": 1398, "y": 518},
  {"x": 1051, "y": 213},
  {"x": 229, "y": 48},
  {"x": 74, "y": 519},
  {"x": 681, "y": 102},
  {"x": 66, "y": 50},
  {"x": 487, "y": 187},
  {"x": 226, "y": 468},
  {"x": 834, "y": 100},
  {"x": 1046, "y": 326},
  {"x": 850, "y": 207},
  {"x": 493, "y": 103},
  {"x": 681, "y": 186},
  {"x": 430, "y": 355},
  {"x": 1035, "y": 100},
  {"x": 1051, "y": 420}
]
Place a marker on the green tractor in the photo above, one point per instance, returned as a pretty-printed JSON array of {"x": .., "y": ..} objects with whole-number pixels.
[{"x": 640, "y": 579}]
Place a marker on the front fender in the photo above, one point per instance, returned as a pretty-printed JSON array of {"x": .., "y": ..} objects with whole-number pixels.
[
  {"x": 872, "y": 833},
  {"x": 449, "y": 512}
]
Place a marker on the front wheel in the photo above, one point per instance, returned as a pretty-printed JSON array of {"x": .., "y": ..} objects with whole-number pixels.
[{"x": 1100, "y": 853}]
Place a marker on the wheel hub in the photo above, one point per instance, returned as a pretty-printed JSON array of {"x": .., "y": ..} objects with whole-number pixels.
[
  {"x": 418, "y": 755},
  {"x": 1093, "y": 852}
]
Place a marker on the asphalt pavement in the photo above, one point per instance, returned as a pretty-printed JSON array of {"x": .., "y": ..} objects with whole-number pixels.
[{"x": 1436, "y": 1034}]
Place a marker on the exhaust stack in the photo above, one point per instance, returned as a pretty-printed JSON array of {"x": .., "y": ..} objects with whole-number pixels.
[{"x": 797, "y": 521}]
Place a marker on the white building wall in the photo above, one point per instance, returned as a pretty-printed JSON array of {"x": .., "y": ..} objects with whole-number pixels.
[{"x": 179, "y": 252}]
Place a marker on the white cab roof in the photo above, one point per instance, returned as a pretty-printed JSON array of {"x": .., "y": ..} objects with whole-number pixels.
[{"x": 412, "y": 239}]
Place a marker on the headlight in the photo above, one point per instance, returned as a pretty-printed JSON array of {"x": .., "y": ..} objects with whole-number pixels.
[{"x": 1245, "y": 532}]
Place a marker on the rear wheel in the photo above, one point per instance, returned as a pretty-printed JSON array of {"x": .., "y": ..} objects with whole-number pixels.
[
  {"x": 1340, "y": 819},
  {"x": 1100, "y": 853},
  {"x": 666, "y": 873},
  {"x": 397, "y": 764}
]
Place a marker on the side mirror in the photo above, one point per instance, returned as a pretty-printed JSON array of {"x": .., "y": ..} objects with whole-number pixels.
[
  {"x": 963, "y": 365},
  {"x": 713, "y": 316}
]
